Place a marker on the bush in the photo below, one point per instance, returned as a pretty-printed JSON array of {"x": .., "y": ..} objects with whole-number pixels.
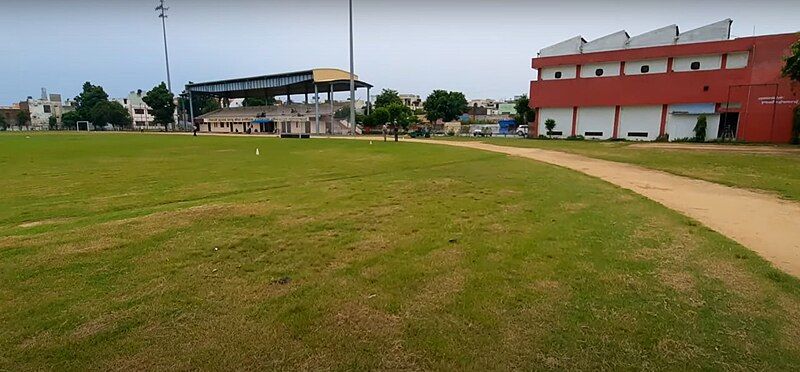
[
  {"x": 663, "y": 138},
  {"x": 451, "y": 133},
  {"x": 700, "y": 129},
  {"x": 576, "y": 138},
  {"x": 549, "y": 124},
  {"x": 796, "y": 126}
]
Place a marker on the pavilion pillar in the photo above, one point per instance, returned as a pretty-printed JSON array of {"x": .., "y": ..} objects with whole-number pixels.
[
  {"x": 368, "y": 102},
  {"x": 330, "y": 100},
  {"x": 191, "y": 109},
  {"x": 316, "y": 106}
]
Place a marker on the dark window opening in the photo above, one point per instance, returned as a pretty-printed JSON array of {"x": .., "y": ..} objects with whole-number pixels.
[
  {"x": 138, "y": 111},
  {"x": 645, "y": 69},
  {"x": 598, "y": 72},
  {"x": 46, "y": 109},
  {"x": 558, "y": 74},
  {"x": 695, "y": 65},
  {"x": 705, "y": 88},
  {"x": 594, "y": 134},
  {"x": 637, "y": 134}
]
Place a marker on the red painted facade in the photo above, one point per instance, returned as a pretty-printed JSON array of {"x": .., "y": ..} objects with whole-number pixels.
[{"x": 762, "y": 117}]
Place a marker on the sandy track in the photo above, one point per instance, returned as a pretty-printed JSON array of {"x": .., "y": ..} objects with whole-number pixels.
[
  {"x": 746, "y": 149},
  {"x": 765, "y": 224}
]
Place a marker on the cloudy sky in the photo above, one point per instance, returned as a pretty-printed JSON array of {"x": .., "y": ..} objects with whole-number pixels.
[{"x": 482, "y": 48}]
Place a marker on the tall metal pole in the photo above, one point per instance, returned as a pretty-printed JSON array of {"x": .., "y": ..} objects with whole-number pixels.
[
  {"x": 352, "y": 77},
  {"x": 163, "y": 15}
]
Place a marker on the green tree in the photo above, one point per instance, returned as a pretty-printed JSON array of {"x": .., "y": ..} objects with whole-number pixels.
[
  {"x": 70, "y": 119},
  {"x": 387, "y": 98},
  {"x": 525, "y": 114},
  {"x": 250, "y": 102},
  {"x": 88, "y": 99},
  {"x": 107, "y": 112},
  {"x": 444, "y": 105},
  {"x": 792, "y": 67},
  {"x": 400, "y": 116},
  {"x": 3, "y": 122},
  {"x": 201, "y": 104},
  {"x": 52, "y": 122},
  {"x": 549, "y": 124},
  {"x": 23, "y": 118},
  {"x": 162, "y": 102},
  {"x": 700, "y": 129}
]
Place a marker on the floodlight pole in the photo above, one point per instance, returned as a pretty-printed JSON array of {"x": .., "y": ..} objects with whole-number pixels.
[
  {"x": 352, "y": 77},
  {"x": 163, "y": 15}
]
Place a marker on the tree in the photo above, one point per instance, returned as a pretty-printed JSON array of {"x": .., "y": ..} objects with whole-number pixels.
[
  {"x": 400, "y": 116},
  {"x": 162, "y": 102},
  {"x": 70, "y": 120},
  {"x": 387, "y": 98},
  {"x": 88, "y": 99},
  {"x": 342, "y": 113},
  {"x": 3, "y": 122},
  {"x": 444, "y": 105},
  {"x": 700, "y": 129},
  {"x": 549, "y": 124},
  {"x": 525, "y": 114},
  {"x": 201, "y": 104},
  {"x": 250, "y": 102},
  {"x": 107, "y": 112},
  {"x": 52, "y": 122},
  {"x": 792, "y": 67},
  {"x": 23, "y": 117}
]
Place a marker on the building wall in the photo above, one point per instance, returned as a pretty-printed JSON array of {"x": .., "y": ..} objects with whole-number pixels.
[
  {"x": 596, "y": 122},
  {"x": 655, "y": 66},
  {"x": 707, "y": 62},
  {"x": 563, "y": 118},
  {"x": 682, "y": 125},
  {"x": 645, "y": 120},
  {"x": 744, "y": 72},
  {"x": 550, "y": 73},
  {"x": 606, "y": 69}
]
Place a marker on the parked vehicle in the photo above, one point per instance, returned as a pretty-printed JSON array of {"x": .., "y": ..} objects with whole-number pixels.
[
  {"x": 483, "y": 132},
  {"x": 522, "y": 130}
]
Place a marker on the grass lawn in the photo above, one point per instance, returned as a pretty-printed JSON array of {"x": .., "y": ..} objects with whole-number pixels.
[
  {"x": 776, "y": 173},
  {"x": 176, "y": 252}
]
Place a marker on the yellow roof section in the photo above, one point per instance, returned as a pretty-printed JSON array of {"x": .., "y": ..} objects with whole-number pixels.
[{"x": 324, "y": 75}]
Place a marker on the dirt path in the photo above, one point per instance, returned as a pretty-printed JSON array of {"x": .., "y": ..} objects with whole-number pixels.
[
  {"x": 765, "y": 224},
  {"x": 747, "y": 149}
]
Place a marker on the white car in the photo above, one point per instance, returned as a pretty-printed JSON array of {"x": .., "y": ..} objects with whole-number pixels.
[{"x": 522, "y": 130}]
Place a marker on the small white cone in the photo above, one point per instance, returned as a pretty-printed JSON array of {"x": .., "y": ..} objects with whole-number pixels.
[
  {"x": 370, "y": 142},
  {"x": 257, "y": 152}
]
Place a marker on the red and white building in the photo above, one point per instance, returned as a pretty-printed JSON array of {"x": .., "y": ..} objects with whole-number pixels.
[{"x": 658, "y": 83}]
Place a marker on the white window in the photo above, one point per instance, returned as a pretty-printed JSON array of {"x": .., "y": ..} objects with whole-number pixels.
[{"x": 697, "y": 63}]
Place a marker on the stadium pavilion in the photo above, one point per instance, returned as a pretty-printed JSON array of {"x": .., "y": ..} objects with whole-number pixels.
[{"x": 288, "y": 118}]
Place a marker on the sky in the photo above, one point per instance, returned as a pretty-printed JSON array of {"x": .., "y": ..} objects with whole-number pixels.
[{"x": 481, "y": 48}]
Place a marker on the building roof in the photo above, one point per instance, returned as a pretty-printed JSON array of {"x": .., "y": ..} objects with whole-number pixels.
[
  {"x": 299, "y": 82},
  {"x": 619, "y": 40}
]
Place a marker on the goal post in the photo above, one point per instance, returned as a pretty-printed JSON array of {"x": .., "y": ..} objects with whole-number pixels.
[{"x": 78, "y": 125}]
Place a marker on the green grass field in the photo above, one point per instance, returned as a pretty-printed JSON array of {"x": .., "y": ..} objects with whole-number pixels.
[
  {"x": 774, "y": 173},
  {"x": 176, "y": 252}
]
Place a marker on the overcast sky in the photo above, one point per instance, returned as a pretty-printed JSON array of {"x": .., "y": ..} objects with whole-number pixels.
[{"x": 482, "y": 48}]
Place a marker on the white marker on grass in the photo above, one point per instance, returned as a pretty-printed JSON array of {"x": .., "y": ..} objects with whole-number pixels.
[{"x": 257, "y": 152}]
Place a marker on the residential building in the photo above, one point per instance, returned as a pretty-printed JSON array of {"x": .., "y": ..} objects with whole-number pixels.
[
  {"x": 658, "y": 84},
  {"x": 48, "y": 105},
  {"x": 141, "y": 114},
  {"x": 10, "y": 114}
]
